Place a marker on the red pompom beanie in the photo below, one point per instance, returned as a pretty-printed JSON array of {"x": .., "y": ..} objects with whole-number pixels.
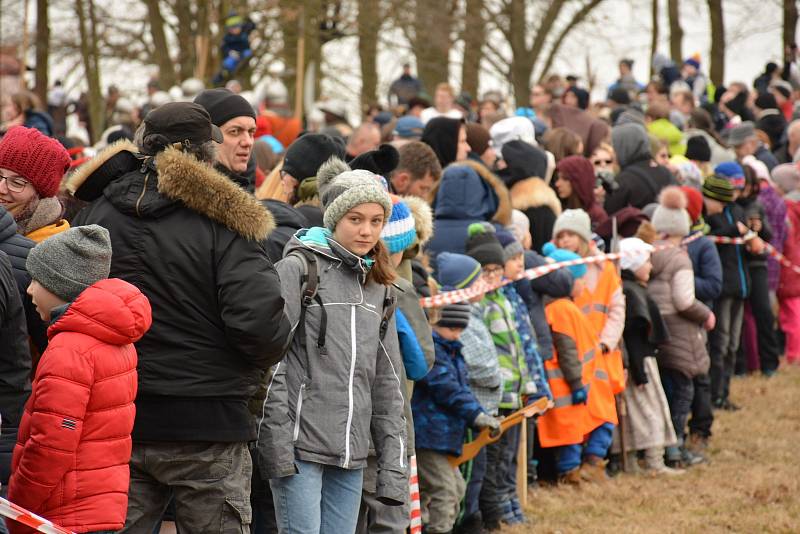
[{"x": 39, "y": 159}]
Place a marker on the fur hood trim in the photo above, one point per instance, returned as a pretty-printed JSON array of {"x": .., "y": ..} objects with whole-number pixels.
[
  {"x": 82, "y": 173},
  {"x": 533, "y": 193},
  {"x": 204, "y": 190},
  {"x": 503, "y": 213},
  {"x": 423, "y": 217}
]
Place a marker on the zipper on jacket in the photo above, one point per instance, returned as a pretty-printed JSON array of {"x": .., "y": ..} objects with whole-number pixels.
[
  {"x": 350, "y": 387},
  {"x": 141, "y": 196},
  {"x": 297, "y": 412}
]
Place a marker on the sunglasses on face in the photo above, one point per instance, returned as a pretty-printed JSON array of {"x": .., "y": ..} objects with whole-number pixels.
[{"x": 602, "y": 162}]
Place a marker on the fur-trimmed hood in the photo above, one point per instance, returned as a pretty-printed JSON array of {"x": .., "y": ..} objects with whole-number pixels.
[
  {"x": 423, "y": 217},
  {"x": 182, "y": 178},
  {"x": 462, "y": 195},
  {"x": 534, "y": 193}
]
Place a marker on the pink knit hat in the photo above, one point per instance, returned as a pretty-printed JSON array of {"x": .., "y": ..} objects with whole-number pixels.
[{"x": 39, "y": 159}]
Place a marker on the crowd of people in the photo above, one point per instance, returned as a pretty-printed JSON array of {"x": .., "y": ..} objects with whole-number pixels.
[{"x": 213, "y": 319}]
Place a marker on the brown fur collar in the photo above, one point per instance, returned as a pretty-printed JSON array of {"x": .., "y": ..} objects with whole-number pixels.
[
  {"x": 423, "y": 217},
  {"x": 533, "y": 193},
  {"x": 503, "y": 213},
  {"x": 77, "y": 178},
  {"x": 204, "y": 190}
]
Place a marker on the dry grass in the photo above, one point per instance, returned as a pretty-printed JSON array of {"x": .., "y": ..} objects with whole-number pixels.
[{"x": 751, "y": 485}]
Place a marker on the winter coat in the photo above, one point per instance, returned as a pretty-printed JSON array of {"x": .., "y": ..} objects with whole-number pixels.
[
  {"x": 664, "y": 130},
  {"x": 775, "y": 211},
  {"x": 671, "y": 287},
  {"x": 644, "y": 330},
  {"x": 191, "y": 241},
  {"x": 580, "y": 174},
  {"x": 71, "y": 459},
  {"x": 766, "y": 157},
  {"x": 540, "y": 204},
  {"x": 413, "y": 359},
  {"x": 707, "y": 270},
  {"x": 527, "y": 336},
  {"x": 592, "y": 131},
  {"x": 483, "y": 366},
  {"x": 754, "y": 209},
  {"x": 719, "y": 153},
  {"x": 443, "y": 405},
  {"x": 638, "y": 185},
  {"x": 17, "y": 247},
  {"x": 735, "y": 274},
  {"x": 15, "y": 364},
  {"x": 288, "y": 220},
  {"x": 789, "y": 284},
  {"x": 325, "y": 408},
  {"x": 39, "y": 120},
  {"x": 405, "y": 88},
  {"x": 556, "y": 284},
  {"x": 467, "y": 193},
  {"x": 772, "y": 123}
]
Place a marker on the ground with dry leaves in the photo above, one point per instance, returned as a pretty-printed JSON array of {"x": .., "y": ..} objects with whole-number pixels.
[{"x": 751, "y": 485}]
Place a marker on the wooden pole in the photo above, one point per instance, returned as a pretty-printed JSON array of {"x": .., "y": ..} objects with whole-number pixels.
[
  {"x": 23, "y": 53},
  {"x": 301, "y": 68},
  {"x": 522, "y": 464}
]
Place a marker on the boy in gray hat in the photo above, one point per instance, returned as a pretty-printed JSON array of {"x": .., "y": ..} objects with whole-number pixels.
[{"x": 80, "y": 412}]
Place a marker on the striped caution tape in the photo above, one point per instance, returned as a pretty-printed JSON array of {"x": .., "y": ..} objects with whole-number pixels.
[
  {"x": 481, "y": 287},
  {"x": 772, "y": 251},
  {"x": 415, "y": 508},
  {"x": 29, "y": 519}
]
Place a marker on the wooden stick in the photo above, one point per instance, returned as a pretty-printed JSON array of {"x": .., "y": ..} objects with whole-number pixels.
[
  {"x": 522, "y": 464},
  {"x": 301, "y": 67}
]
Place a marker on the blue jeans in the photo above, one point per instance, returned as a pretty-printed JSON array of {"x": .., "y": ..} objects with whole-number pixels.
[
  {"x": 320, "y": 499},
  {"x": 569, "y": 456}
]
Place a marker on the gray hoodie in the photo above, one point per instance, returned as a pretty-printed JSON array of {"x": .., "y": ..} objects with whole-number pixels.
[{"x": 325, "y": 408}]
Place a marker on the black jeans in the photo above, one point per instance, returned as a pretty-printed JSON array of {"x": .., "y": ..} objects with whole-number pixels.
[
  {"x": 702, "y": 412},
  {"x": 768, "y": 350},
  {"x": 679, "y": 390}
]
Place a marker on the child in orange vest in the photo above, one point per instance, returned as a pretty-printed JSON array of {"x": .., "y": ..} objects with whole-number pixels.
[{"x": 580, "y": 388}]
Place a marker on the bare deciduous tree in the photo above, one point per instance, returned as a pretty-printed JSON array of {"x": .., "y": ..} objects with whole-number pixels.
[
  {"x": 717, "y": 70},
  {"x": 675, "y": 31}
]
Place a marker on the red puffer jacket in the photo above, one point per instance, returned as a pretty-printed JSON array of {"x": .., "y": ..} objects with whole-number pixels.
[
  {"x": 70, "y": 463},
  {"x": 789, "y": 285}
]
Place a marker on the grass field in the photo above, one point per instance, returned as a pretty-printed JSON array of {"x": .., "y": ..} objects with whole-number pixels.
[{"x": 752, "y": 484}]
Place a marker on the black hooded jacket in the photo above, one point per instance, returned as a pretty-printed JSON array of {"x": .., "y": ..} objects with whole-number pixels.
[
  {"x": 288, "y": 220},
  {"x": 192, "y": 242},
  {"x": 441, "y": 134}
]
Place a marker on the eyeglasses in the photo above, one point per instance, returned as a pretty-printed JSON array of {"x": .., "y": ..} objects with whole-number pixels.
[
  {"x": 492, "y": 271},
  {"x": 603, "y": 162},
  {"x": 15, "y": 184}
]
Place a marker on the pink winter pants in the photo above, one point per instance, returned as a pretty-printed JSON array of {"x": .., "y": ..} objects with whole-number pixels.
[{"x": 790, "y": 324}]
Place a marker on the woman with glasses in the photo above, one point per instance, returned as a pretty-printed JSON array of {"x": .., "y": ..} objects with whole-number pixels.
[
  {"x": 31, "y": 168},
  {"x": 604, "y": 161}
]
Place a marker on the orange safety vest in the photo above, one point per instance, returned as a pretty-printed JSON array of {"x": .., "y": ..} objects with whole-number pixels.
[
  {"x": 567, "y": 423},
  {"x": 596, "y": 305}
]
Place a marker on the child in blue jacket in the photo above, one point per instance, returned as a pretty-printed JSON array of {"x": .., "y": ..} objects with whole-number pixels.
[{"x": 443, "y": 408}]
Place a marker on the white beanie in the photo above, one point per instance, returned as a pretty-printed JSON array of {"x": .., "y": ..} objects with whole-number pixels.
[{"x": 635, "y": 253}]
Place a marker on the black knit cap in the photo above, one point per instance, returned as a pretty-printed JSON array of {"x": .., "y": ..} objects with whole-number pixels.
[
  {"x": 698, "y": 149},
  {"x": 454, "y": 315},
  {"x": 306, "y": 155},
  {"x": 381, "y": 161},
  {"x": 224, "y": 105},
  {"x": 483, "y": 245}
]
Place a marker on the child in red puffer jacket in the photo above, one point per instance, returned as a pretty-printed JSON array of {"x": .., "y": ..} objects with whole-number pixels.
[{"x": 70, "y": 463}]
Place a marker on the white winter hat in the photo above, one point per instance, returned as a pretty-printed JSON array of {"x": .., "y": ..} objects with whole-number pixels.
[
  {"x": 635, "y": 253},
  {"x": 512, "y": 129}
]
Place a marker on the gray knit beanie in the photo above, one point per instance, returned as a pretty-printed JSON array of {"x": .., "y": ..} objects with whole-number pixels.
[
  {"x": 71, "y": 261},
  {"x": 341, "y": 189},
  {"x": 575, "y": 221}
]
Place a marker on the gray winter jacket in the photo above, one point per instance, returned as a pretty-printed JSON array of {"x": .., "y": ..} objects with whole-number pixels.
[
  {"x": 325, "y": 408},
  {"x": 671, "y": 286}
]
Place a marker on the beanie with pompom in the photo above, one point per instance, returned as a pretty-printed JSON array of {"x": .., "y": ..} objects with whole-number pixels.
[
  {"x": 483, "y": 245},
  {"x": 560, "y": 254},
  {"x": 670, "y": 216}
]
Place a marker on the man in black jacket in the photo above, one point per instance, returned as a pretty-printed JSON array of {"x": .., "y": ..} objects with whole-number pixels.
[{"x": 191, "y": 241}]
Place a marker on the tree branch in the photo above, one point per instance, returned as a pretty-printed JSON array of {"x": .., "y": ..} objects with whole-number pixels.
[{"x": 577, "y": 19}]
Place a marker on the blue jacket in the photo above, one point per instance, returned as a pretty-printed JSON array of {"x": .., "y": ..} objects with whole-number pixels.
[
  {"x": 735, "y": 272},
  {"x": 464, "y": 197},
  {"x": 707, "y": 270},
  {"x": 442, "y": 404},
  {"x": 413, "y": 358}
]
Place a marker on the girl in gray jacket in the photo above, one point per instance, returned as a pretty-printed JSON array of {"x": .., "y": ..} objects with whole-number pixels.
[{"x": 339, "y": 383}]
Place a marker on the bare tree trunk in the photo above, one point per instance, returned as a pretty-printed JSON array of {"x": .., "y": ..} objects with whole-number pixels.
[
  {"x": 473, "y": 37},
  {"x": 522, "y": 59},
  {"x": 368, "y": 28},
  {"x": 42, "y": 49},
  {"x": 675, "y": 32},
  {"x": 186, "y": 50},
  {"x": 717, "y": 71},
  {"x": 789, "y": 22},
  {"x": 431, "y": 45},
  {"x": 96, "y": 115},
  {"x": 166, "y": 69},
  {"x": 654, "y": 35}
]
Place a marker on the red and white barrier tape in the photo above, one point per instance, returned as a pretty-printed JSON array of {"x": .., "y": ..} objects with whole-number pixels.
[
  {"x": 479, "y": 288},
  {"x": 21, "y": 515},
  {"x": 415, "y": 508}
]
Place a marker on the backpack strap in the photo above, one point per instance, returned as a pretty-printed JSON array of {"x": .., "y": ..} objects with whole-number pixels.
[
  {"x": 309, "y": 284},
  {"x": 389, "y": 304}
]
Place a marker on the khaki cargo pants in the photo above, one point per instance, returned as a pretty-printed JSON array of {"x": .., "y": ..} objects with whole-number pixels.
[{"x": 210, "y": 483}]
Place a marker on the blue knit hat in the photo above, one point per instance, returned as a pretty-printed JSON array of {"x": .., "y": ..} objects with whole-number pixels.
[
  {"x": 731, "y": 171},
  {"x": 560, "y": 254},
  {"x": 511, "y": 247},
  {"x": 399, "y": 232},
  {"x": 456, "y": 271}
]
